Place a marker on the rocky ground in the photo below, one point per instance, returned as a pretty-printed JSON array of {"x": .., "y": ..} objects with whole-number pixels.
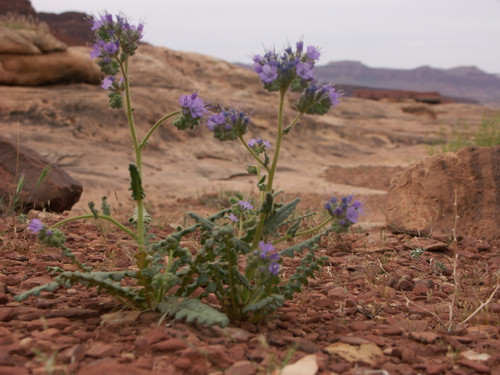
[{"x": 379, "y": 306}]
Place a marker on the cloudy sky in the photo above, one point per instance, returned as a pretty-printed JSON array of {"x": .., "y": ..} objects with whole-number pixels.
[{"x": 380, "y": 33}]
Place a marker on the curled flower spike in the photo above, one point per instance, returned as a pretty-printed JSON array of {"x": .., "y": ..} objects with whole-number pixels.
[
  {"x": 346, "y": 211},
  {"x": 259, "y": 145},
  {"x": 269, "y": 253},
  {"x": 228, "y": 124},
  {"x": 192, "y": 111},
  {"x": 115, "y": 41},
  {"x": 193, "y": 105},
  {"x": 288, "y": 69},
  {"x": 317, "y": 99}
]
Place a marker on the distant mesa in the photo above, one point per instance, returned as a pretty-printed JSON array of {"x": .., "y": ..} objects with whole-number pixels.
[{"x": 466, "y": 84}]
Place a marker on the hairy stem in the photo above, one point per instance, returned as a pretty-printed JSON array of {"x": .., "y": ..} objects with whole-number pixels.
[
  {"x": 138, "y": 159},
  {"x": 272, "y": 170},
  {"x": 103, "y": 217},
  {"x": 156, "y": 126},
  {"x": 303, "y": 233}
]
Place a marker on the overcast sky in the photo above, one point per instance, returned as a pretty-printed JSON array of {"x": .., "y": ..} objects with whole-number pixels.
[{"x": 380, "y": 33}]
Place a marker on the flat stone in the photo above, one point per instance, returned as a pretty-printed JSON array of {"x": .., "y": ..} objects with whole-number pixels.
[
  {"x": 241, "y": 368},
  {"x": 425, "y": 337},
  {"x": 476, "y": 366},
  {"x": 73, "y": 312},
  {"x": 101, "y": 350},
  {"x": 170, "y": 345}
]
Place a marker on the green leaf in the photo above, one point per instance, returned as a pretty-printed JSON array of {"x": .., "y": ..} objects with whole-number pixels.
[
  {"x": 277, "y": 219},
  {"x": 265, "y": 305},
  {"x": 49, "y": 287},
  {"x": 307, "y": 244},
  {"x": 93, "y": 210},
  {"x": 106, "y": 210},
  {"x": 192, "y": 310},
  {"x": 136, "y": 183},
  {"x": 43, "y": 175}
]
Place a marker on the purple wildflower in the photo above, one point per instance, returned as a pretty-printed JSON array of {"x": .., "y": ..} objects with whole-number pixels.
[
  {"x": 193, "y": 105},
  {"x": 259, "y": 144},
  {"x": 111, "y": 47},
  {"x": 313, "y": 53},
  {"x": 305, "y": 70},
  {"x": 334, "y": 96},
  {"x": 268, "y": 73},
  {"x": 353, "y": 211},
  {"x": 274, "y": 268},
  {"x": 103, "y": 20},
  {"x": 233, "y": 218},
  {"x": 265, "y": 248},
  {"x": 35, "y": 225},
  {"x": 215, "y": 120},
  {"x": 107, "y": 82},
  {"x": 300, "y": 46},
  {"x": 245, "y": 205},
  {"x": 228, "y": 124},
  {"x": 346, "y": 211}
]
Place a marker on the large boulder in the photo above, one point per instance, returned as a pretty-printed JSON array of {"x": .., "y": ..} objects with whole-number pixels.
[
  {"x": 71, "y": 66},
  {"x": 57, "y": 192},
  {"x": 28, "y": 42},
  {"x": 449, "y": 192}
]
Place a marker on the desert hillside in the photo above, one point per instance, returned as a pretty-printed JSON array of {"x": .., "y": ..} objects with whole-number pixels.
[{"x": 74, "y": 127}]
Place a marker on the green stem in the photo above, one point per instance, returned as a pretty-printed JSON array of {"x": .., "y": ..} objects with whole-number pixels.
[
  {"x": 294, "y": 121},
  {"x": 252, "y": 152},
  {"x": 138, "y": 158},
  {"x": 103, "y": 217},
  {"x": 272, "y": 170},
  {"x": 232, "y": 285},
  {"x": 305, "y": 232},
  {"x": 156, "y": 126}
]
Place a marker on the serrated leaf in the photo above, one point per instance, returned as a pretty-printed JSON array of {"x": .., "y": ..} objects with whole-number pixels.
[
  {"x": 277, "y": 219},
  {"x": 136, "y": 183},
  {"x": 307, "y": 244},
  {"x": 265, "y": 305},
  {"x": 192, "y": 310},
  {"x": 49, "y": 287}
]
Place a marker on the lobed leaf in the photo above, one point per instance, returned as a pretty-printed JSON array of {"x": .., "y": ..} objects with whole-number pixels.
[{"x": 192, "y": 310}]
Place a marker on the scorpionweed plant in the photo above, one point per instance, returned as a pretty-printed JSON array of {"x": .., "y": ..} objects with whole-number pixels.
[{"x": 242, "y": 248}]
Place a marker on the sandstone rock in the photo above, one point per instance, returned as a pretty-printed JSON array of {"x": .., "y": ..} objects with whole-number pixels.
[
  {"x": 18, "y": 6},
  {"x": 28, "y": 42},
  {"x": 73, "y": 65},
  {"x": 58, "y": 191},
  {"x": 422, "y": 198}
]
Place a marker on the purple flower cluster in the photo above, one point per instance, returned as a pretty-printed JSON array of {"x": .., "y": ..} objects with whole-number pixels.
[
  {"x": 192, "y": 105},
  {"x": 192, "y": 111},
  {"x": 116, "y": 40},
  {"x": 228, "y": 124},
  {"x": 269, "y": 253},
  {"x": 45, "y": 235},
  {"x": 346, "y": 211},
  {"x": 290, "y": 68},
  {"x": 259, "y": 145},
  {"x": 239, "y": 209}
]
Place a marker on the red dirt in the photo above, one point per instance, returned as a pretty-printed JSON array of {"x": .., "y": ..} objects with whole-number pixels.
[{"x": 354, "y": 315}]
